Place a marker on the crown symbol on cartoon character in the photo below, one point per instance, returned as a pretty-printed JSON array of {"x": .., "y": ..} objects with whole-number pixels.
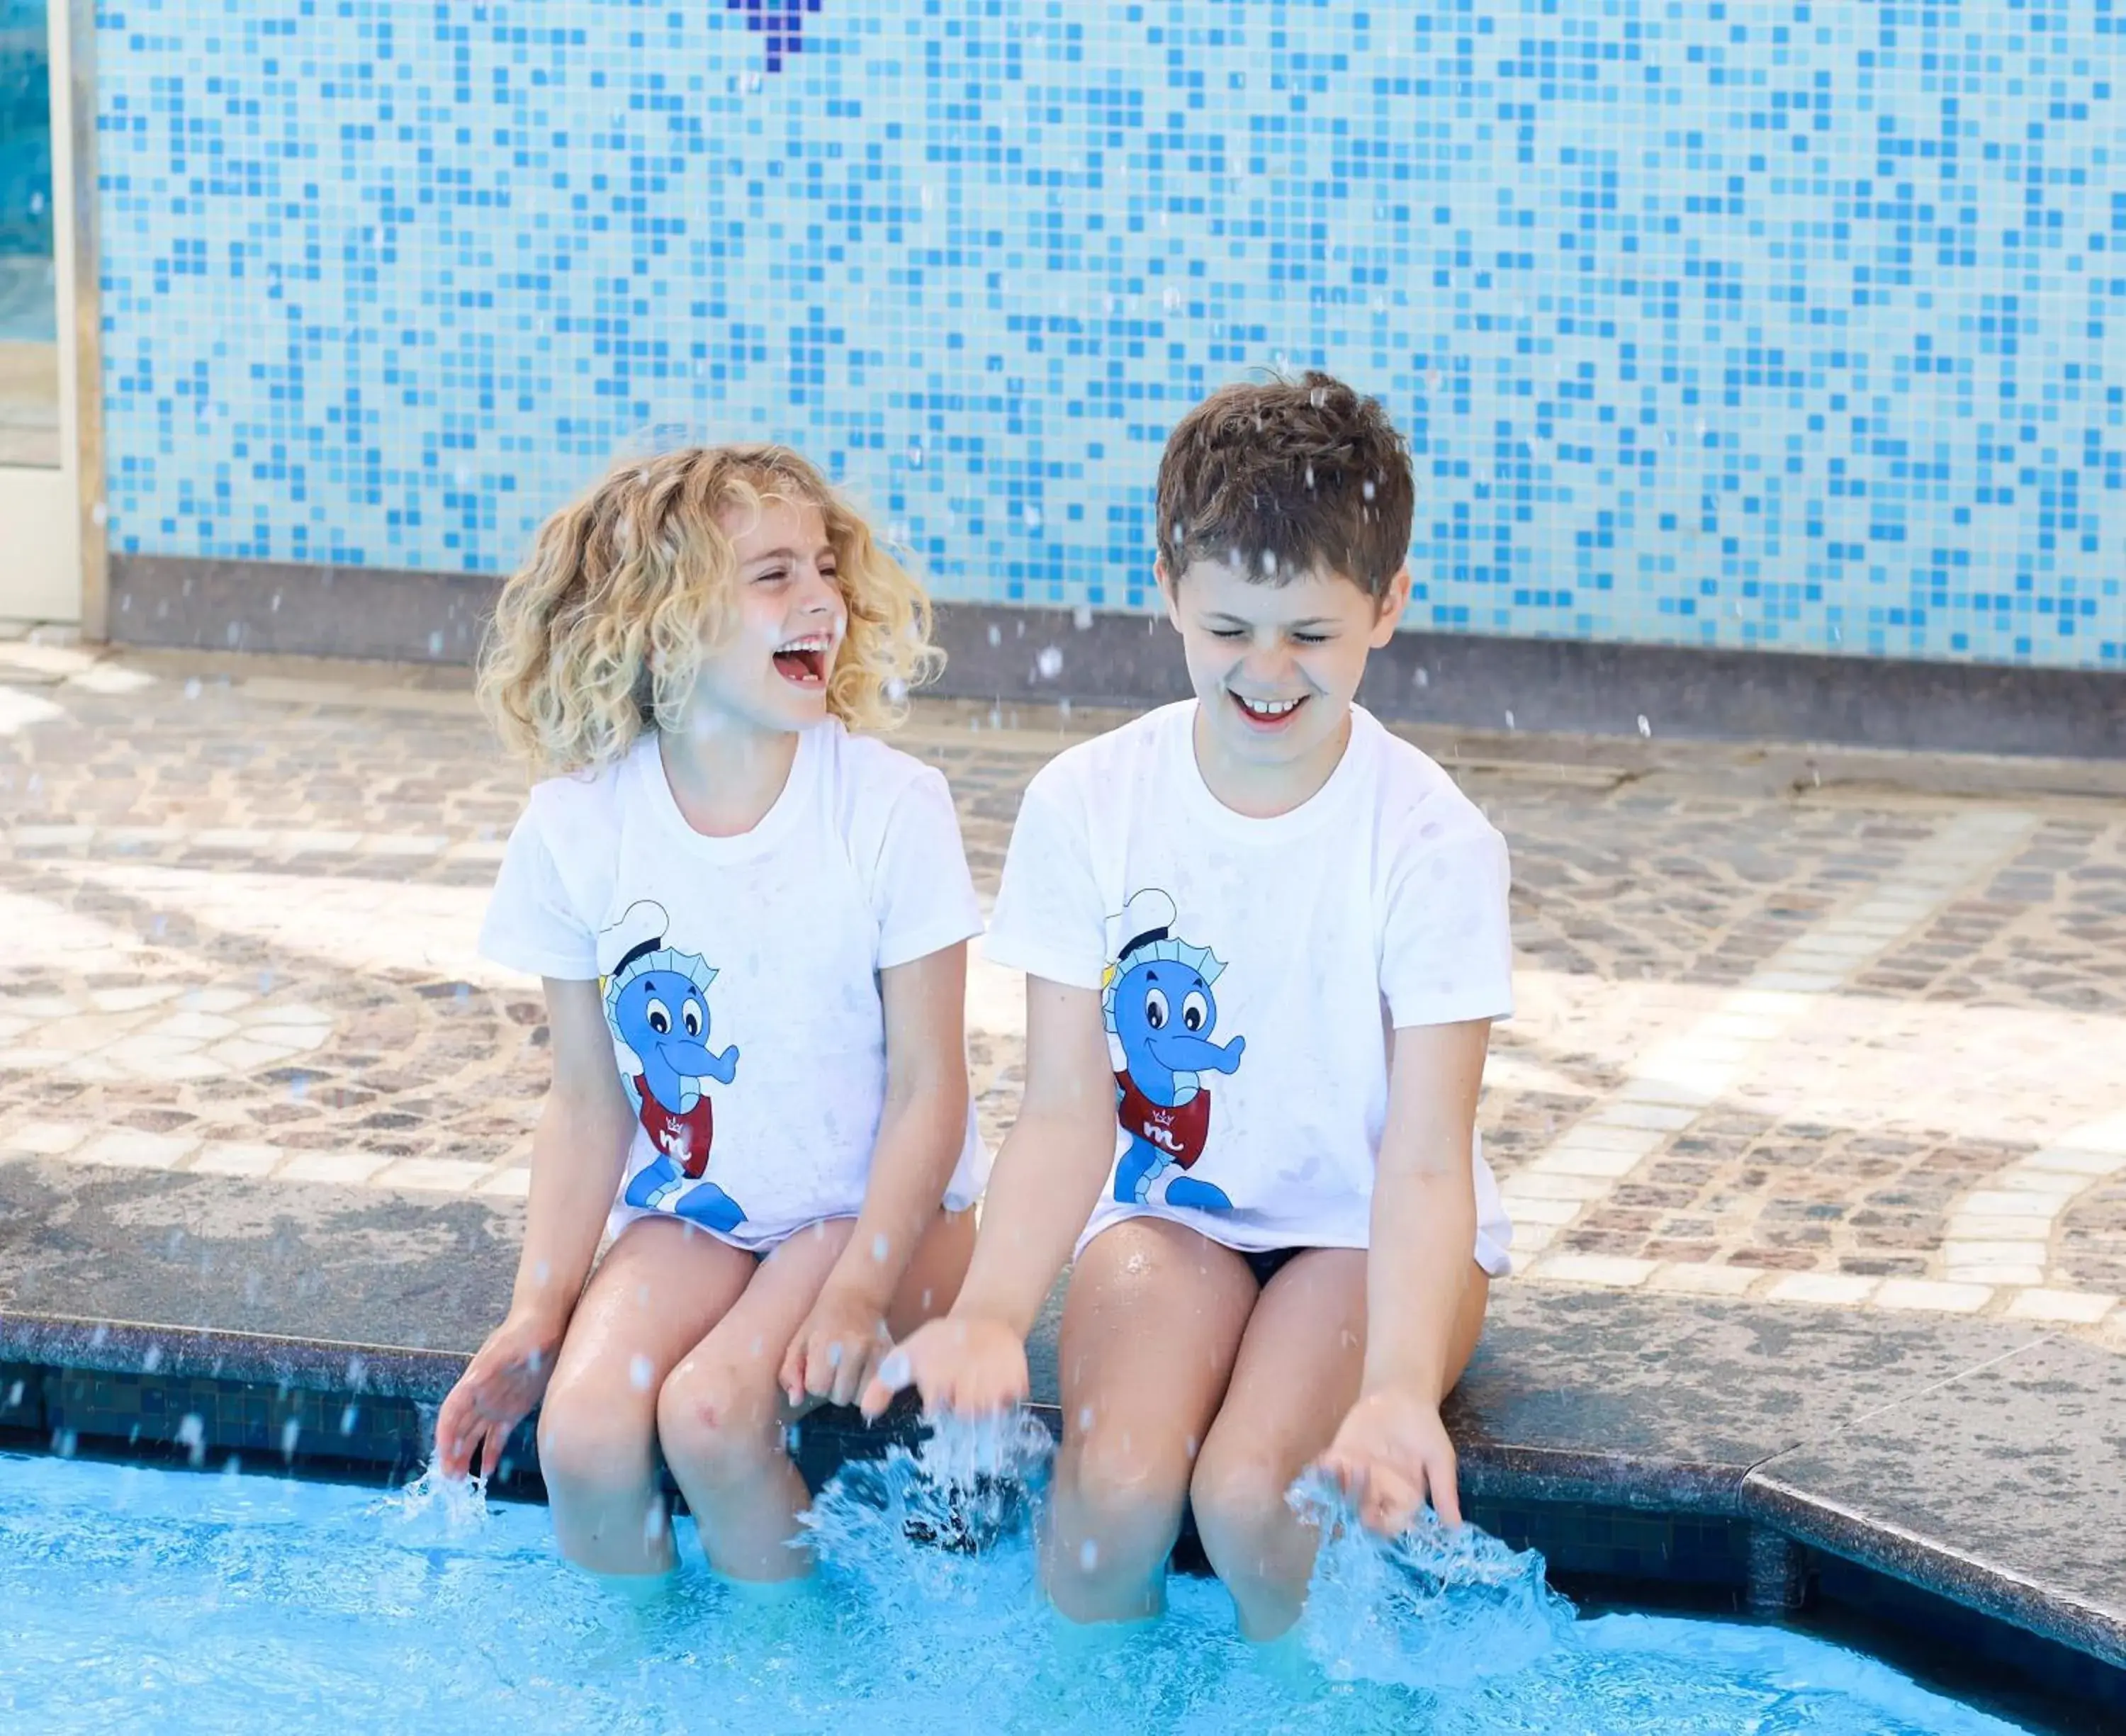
[
  {"x": 657, "y": 1007},
  {"x": 1157, "y": 1000}
]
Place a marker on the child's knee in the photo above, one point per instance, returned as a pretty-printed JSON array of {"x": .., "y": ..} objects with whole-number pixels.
[
  {"x": 1237, "y": 1494},
  {"x": 715, "y": 1421},
  {"x": 586, "y": 1446},
  {"x": 1121, "y": 1485}
]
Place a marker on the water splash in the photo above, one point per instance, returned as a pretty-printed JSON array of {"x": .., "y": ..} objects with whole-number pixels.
[
  {"x": 435, "y": 1507},
  {"x": 918, "y": 1516},
  {"x": 1440, "y": 1608}
]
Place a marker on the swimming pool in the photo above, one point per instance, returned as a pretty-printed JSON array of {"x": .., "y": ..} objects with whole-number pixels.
[{"x": 140, "y": 1598}]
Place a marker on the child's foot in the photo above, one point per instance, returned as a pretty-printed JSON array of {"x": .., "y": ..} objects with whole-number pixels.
[
  {"x": 1187, "y": 1190},
  {"x": 709, "y": 1206}
]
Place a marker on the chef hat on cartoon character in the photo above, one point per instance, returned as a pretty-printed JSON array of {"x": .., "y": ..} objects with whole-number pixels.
[
  {"x": 1147, "y": 917},
  {"x": 640, "y": 930}
]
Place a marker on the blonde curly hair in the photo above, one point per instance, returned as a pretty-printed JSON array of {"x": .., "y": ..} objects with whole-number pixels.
[{"x": 601, "y": 634}]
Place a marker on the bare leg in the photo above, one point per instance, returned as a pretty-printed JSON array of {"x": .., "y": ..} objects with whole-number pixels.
[
  {"x": 1298, "y": 1374},
  {"x": 722, "y": 1414},
  {"x": 1153, "y": 1317},
  {"x": 662, "y": 1286}
]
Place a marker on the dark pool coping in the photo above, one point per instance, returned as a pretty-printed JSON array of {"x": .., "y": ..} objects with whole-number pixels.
[{"x": 1686, "y": 1438}]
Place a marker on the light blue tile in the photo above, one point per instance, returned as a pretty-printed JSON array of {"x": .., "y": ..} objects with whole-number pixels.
[{"x": 1744, "y": 324}]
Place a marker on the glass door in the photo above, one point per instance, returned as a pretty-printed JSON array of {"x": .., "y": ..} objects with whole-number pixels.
[
  {"x": 43, "y": 526},
  {"x": 29, "y": 255}
]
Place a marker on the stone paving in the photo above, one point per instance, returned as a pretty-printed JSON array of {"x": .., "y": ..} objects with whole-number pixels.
[{"x": 1810, "y": 1027}]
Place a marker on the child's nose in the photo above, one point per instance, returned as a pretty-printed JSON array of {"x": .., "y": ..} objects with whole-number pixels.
[{"x": 1270, "y": 664}]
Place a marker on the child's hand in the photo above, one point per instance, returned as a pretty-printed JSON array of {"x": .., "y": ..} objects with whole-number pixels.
[
  {"x": 1391, "y": 1452},
  {"x": 497, "y": 1390},
  {"x": 836, "y": 1350},
  {"x": 967, "y": 1365}
]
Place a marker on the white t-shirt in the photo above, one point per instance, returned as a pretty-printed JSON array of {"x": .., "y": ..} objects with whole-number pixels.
[
  {"x": 1253, "y": 971},
  {"x": 740, "y": 975}
]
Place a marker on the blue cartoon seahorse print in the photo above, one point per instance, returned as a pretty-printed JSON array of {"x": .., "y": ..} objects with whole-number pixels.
[
  {"x": 1159, "y": 1007},
  {"x": 657, "y": 1002}
]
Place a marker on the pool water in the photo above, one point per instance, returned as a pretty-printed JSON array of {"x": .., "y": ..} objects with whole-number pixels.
[{"x": 133, "y": 1597}]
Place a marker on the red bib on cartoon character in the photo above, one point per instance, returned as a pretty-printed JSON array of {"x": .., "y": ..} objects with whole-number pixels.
[
  {"x": 682, "y": 1138},
  {"x": 1179, "y": 1131}
]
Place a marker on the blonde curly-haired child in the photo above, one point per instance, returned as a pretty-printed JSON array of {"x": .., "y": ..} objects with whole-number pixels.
[{"x": 752, "y": 925}]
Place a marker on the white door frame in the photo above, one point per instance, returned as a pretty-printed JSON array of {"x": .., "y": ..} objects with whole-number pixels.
[{"x": 53, "y": 551}]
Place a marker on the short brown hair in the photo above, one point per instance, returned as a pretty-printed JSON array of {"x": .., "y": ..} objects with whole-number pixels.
[{"x": 1286, "y": 477}]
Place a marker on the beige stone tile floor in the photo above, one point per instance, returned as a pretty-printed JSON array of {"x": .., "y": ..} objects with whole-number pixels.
[{"x": 1816, "y": 1025}]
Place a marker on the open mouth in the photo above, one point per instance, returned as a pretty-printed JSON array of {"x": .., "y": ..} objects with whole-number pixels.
[
  {"x": 803, "y": 662},
  {"x": 1267, "y": 715}
]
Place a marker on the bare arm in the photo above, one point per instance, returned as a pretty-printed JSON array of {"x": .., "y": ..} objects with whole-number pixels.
[
  {"x": 1392, "y": 1450},
  {"x": 921, "y": 1129},
  {"x": 579, "y": 1150},
  {"x": 1047, "y": 1178}
]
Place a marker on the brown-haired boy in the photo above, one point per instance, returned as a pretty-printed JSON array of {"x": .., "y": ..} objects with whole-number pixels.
[{"x": 1264, "y": 941}]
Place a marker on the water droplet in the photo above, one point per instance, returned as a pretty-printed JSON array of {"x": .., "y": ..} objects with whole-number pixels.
[
  {"x": 1269, "y": 561},
  {"x": 292, "y": 1432},
  {"x": 996, "y": 634},
  {"x": 1509, "y": 720},
  {"x": 1081, "y": 618},
  {"x": 1645, "y": 727},
  {"x": 1085, "y": 1419},
  {"x": 879, "y": 1247},
  {"x": 640, "y": 1372},
  {"x": 1048, "y": 664},
  {"x": 1089, "y": 1555}
]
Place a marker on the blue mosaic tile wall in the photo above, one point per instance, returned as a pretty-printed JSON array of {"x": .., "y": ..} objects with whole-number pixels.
[{"x": 1754, "y": 324}]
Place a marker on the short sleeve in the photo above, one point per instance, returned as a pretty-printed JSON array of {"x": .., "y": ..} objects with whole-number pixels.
[
  {"x": 532, "y": 924},
  {"x": 1446, "y": 949},
  {"x": 1050, "y": 920},
  {"x": 922, "y": 890}
]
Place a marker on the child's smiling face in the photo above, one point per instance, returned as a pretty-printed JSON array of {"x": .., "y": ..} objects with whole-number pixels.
[
  {"x": 787, "y": 620},
  {"x": 1275, "y": 665}
]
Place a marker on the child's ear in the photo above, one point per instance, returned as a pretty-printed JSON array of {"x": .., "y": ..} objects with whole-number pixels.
[{"x": 1393, "y": 601}]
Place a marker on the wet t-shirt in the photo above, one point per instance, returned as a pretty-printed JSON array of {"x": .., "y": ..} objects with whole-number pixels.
[
  {"x": 740, "y": 975},
  {"x": 1252, "y": 972}
]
